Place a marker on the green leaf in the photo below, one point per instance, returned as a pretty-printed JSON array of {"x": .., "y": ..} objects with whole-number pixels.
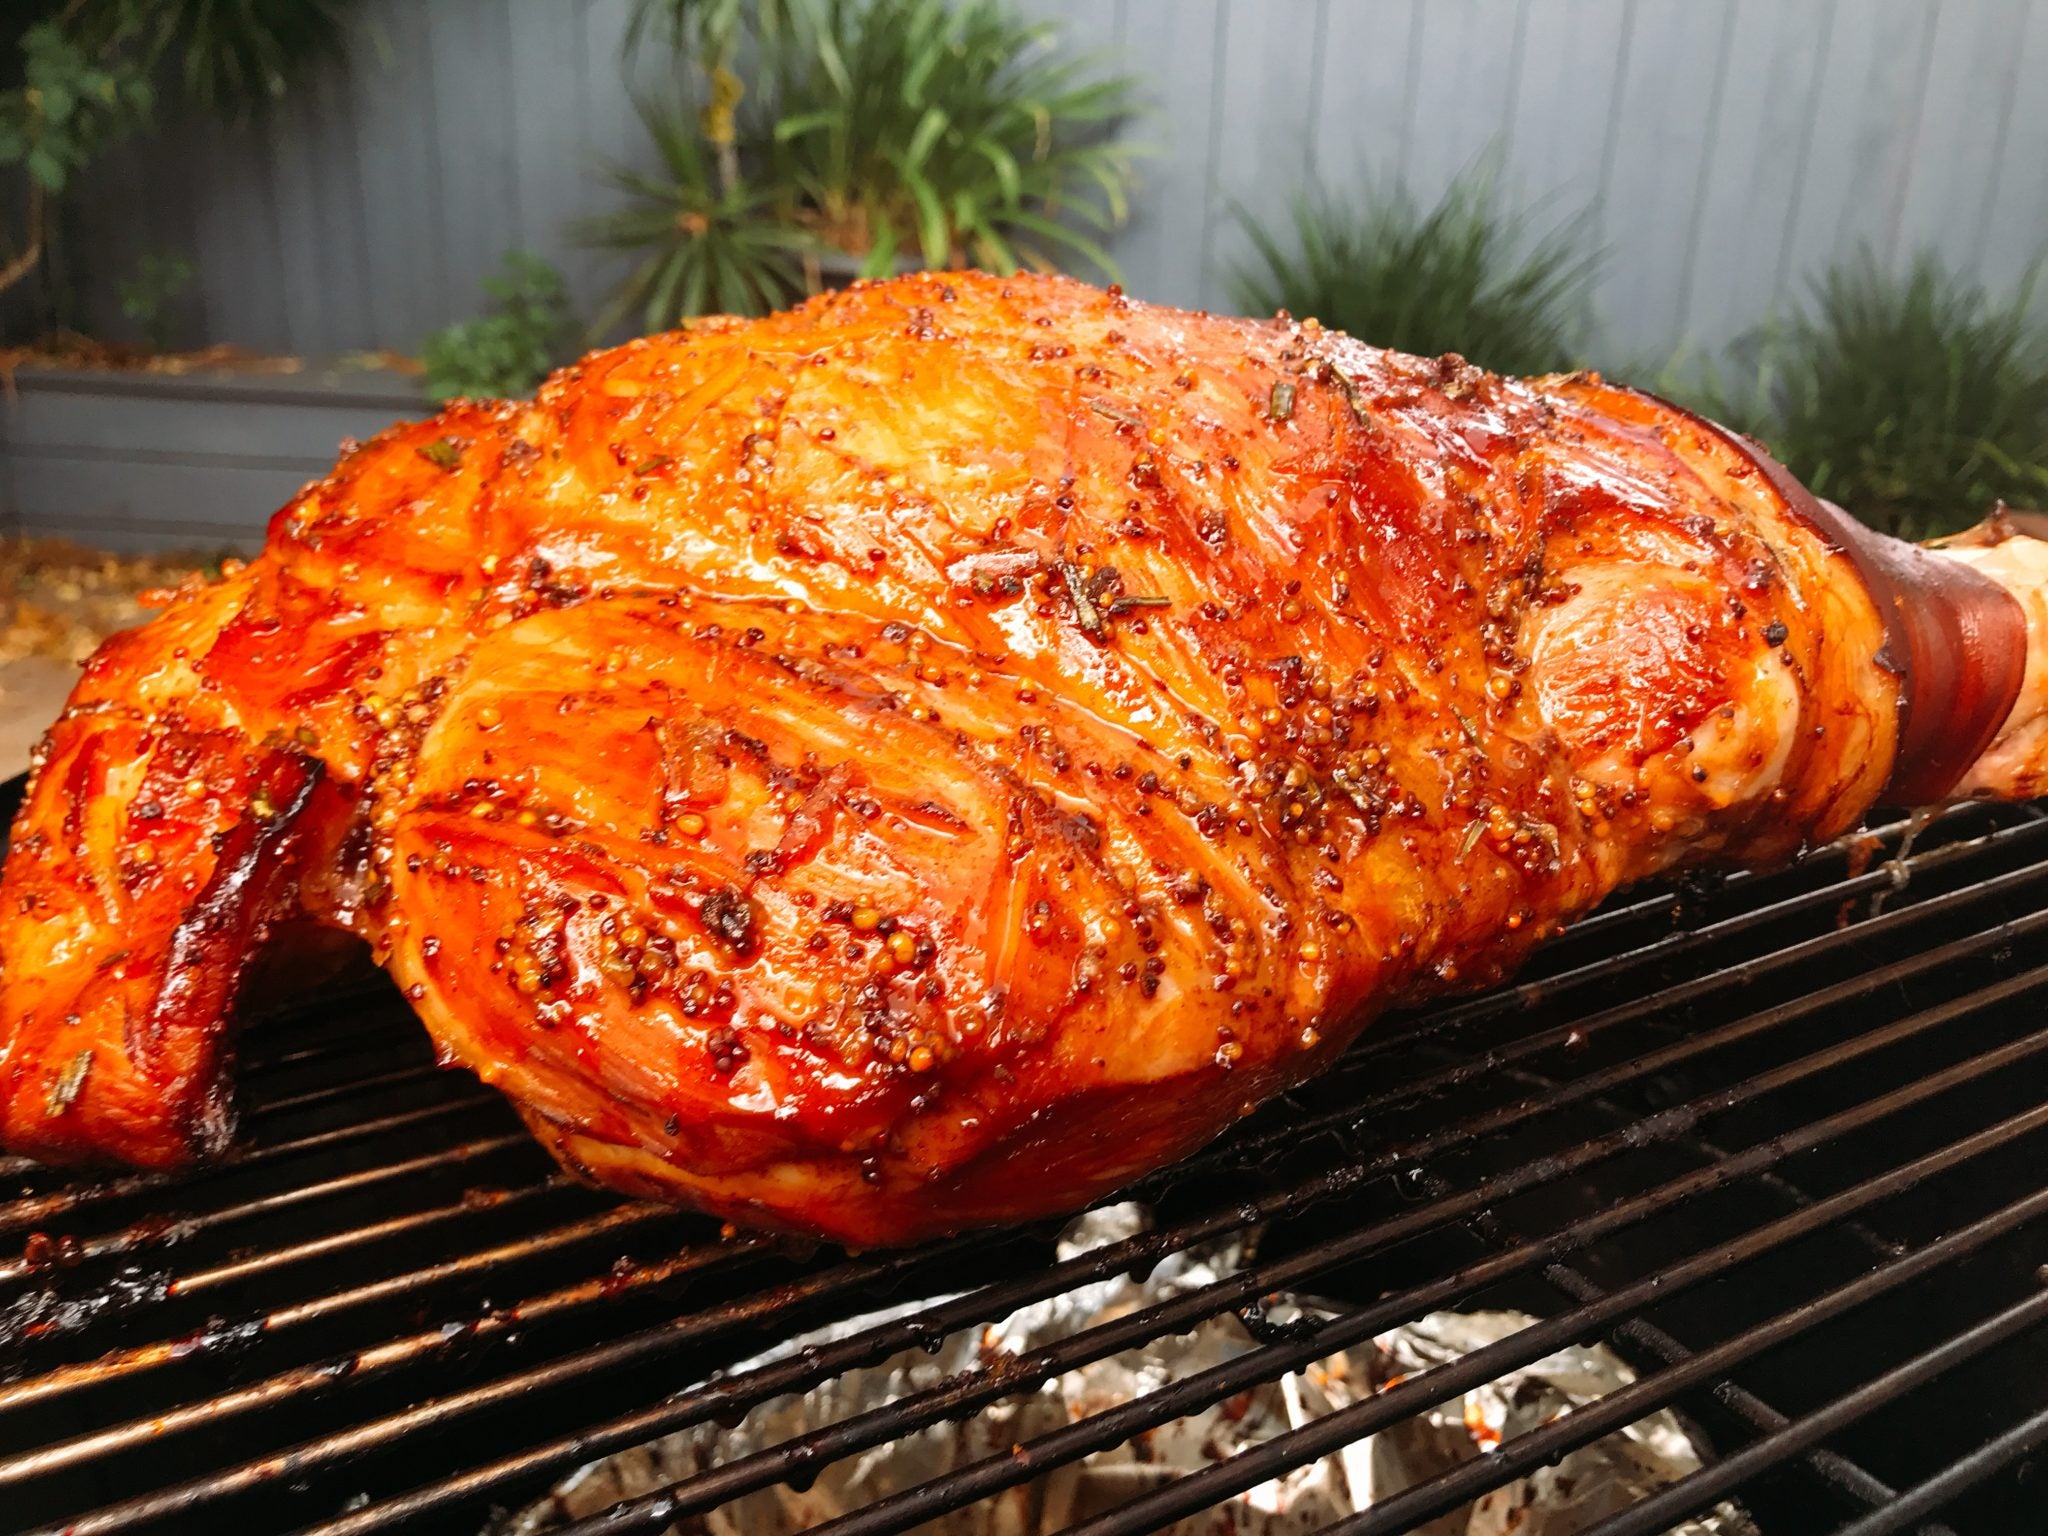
[
  {"x": 933, "y": 123},
  {"x": 670, "y": 284},
  {"x": 791, "y": 128},
  {"x": 45, "y": 166},
  {"x": 998, "y": 257},
  {"x": 507, "y": 351},
  {"x": 696, "y": 282},
  {"x": 1463, "y": 275},
  {"x": 932, "y": 232},
  {"x": 1059, "y": 234},
  {"x": 1913, "y": 398},
  {"x": 1008, "y": 177},
  {"x": 883, "y": 246}
]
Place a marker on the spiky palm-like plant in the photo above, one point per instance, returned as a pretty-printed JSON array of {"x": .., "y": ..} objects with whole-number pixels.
[
  {"x": 1917, "y": 401},
  {"x": 1465, "y": 275}
]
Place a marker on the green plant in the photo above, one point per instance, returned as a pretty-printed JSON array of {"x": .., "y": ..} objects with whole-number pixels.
[
  {"x": 711, "y": 32},
  {"x": 86, "y": 73},
  {"x": 507, "y": 351},
  {"x": 712, "y": 29},
  {"x": 1463, "y": 276},
  {"x": 951, "y": 130},
  {"x": 1916, "y": 402},
  {"x": 70, "y": 104},
  {"x": 874, "y": 128},
  {"x": 225, "y": 55},
  {"x": 148, "y": 293},
  {"x": 703, "y": 248}
]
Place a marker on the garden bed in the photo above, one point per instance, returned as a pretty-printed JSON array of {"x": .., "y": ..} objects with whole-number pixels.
[
  {"x": 58, "y": 601},
  {"x": 140, "y": 461}
]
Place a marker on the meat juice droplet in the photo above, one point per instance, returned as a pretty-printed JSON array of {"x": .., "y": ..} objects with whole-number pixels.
[{"x": 732, "y": 1416}]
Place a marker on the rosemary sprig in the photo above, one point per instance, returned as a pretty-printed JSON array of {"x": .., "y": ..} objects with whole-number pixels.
[{"x": 444, "y": 451}]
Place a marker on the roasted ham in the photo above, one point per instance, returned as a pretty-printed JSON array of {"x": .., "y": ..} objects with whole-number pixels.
[{"x": 927, "y": 758}]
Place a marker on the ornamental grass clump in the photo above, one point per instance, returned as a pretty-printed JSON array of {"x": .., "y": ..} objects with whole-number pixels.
[
  {"x": 1916, "y": 401},
  {"x": 1467, "y": 275}
]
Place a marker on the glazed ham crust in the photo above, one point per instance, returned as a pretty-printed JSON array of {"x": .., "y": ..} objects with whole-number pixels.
[{"x": 927, "y": 758}]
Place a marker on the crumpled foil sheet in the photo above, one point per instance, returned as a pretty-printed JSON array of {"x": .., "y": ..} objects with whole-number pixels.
[{"x": 1585, "y": 1486}]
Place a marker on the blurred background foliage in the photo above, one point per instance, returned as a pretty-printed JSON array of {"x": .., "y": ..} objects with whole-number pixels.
[
  {"x": 509, "y": 348},
  {"x": 1913, "y": 399},
  {"x": 1469, "y": 275},
  {"x": 867, "y": 136},
  {"x": 75, "y": 75},
  {"x": 800, "y": 144}
]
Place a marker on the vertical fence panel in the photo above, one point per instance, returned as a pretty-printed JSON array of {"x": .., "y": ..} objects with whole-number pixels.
[
  {"x": 1362, "y": 91},
  {"x": 100, "y": 234},
  {"x": 297, "y": 184},
  {"x": 1678, "y": 64},
  {"x": 559, "y": 179},
  {"x": 2011, "y": 232},
  {"x": 474, "y": 138},
  {"x": 236, "y": 247},
  {"x": 1972, "y": 86},
  {"x": 1754, "y": 181},
  {"x": 1871, "y": 99},
  {"x": 1265, "y": 114},
  {"x": 1468, "y": 64},
  {"x": 1553, "y": 147},
  {"x": 1733, "y": 146},
  {"x": 392, "y": 115},
  {"x": 1175, "y": 42}
]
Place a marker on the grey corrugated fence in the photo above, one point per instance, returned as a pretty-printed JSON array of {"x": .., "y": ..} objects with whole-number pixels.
[{"x": 1729, "y": 147}]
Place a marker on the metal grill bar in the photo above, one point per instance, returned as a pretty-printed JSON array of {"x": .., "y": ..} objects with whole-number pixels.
[
  {"x": 1647, "y": 1394},
  {"x": 1432, "y": 1387},
  {"x": 131, "y": 1362},
  {"x": 313, "y": 1379},
  {"x": 1411, "y": 1092},
  {"x": 1466, "y": 1071},
  {"x": 185, "y": 1227},
  {"x": 1978, "y": 881},
  {"x": 352, "y": 1034},
  {"x": 1905, "y": 831},
  {"x": 852, "y": 1278},
  {"x": 980, "y": 1309},
  {"x": 1412, "y": 1149},
  {"x": 1195, "y": 1393},
  {"x": 732, "y": 1479},
  {"x": 37, "y": 1210},
  {"x": 1954, "y": 1480},
  {"x": 1711, "y": 1484},
  {"x": 1834, "y": 1471},
  {"x": 201, "y": 1281},
  {"x": 352, "y": 1088},
  {"x": 1885, "y": 878},
  {"x": 402, "y": 1029}
]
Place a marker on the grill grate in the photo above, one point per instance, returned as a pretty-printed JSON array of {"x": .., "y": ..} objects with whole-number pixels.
[{"x": 1776, "y": 1139}]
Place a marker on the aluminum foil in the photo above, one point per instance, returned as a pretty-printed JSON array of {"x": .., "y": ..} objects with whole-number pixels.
[{"x": 1554, "y": 1501}]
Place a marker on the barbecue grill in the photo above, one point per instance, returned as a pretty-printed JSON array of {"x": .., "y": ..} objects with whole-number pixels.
[{"x": 1776, "y": 1140}]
